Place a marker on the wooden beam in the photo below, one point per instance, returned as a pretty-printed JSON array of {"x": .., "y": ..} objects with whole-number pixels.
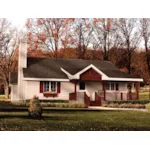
[
  {"x": 75, "y": 87},
  {"x": 137, "y": 89},
  {"x": 104, "y": 89}
]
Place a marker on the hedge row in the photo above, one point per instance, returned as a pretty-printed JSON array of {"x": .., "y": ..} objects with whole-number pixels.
[
  {"x": 64, "y": 105},
  {"x": 127, "y": 105},
  {"x": 51, "y": 101},
  {"x": 129, "y": 102}
]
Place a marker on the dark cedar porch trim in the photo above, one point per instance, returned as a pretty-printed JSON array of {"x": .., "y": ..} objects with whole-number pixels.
[
  {"x": 73, "y": 96},
  {"x": 104, "y": 89},
  {"x": 137, "y": 87}
]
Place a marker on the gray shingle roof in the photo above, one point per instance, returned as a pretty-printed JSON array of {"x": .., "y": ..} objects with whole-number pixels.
[{"x": 51, "y": 68}]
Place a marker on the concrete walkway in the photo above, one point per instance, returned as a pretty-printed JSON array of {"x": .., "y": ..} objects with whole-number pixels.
[{"x": 110, "y": 108}]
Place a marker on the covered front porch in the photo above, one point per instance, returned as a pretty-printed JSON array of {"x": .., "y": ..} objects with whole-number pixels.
[
  {"x": 95, "y": 93},
  {"x": 94, "y": 88}
]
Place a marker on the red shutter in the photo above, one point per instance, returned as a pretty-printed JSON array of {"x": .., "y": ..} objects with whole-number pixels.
[
  {"x": 58, "y": 87},
  {"x": 117, "y": 86},
  {"x": 41, "y": 86}
]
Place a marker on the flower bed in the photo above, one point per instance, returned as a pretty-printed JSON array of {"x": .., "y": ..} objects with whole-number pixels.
[{"x": 50, "y": 94}]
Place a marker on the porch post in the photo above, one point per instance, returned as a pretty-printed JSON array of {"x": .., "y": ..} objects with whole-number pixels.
[
  {"x": 137, "y": 90},
  {"x": 75, "y": 86},
  {"x": 104, "y": 89},
  {"x": 75, "y": 89},
  {"x": 129, "y": 90}
]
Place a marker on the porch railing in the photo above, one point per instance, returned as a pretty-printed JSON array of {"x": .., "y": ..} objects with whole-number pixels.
[
  {"x": 72, "y": 96},
  {"x": 97, "y": 101},
  {"x": 132, "y": 96},
  {"x": 86, "y": 99}
]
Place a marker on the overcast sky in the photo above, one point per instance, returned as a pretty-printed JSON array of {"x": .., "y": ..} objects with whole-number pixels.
[{"x": 18, "y": 22}]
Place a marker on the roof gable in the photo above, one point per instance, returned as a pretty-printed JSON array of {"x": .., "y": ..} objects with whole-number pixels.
[{"x": 68, "y": 68}]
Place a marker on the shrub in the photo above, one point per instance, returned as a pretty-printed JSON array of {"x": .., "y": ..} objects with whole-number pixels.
[
  {"x": 21, "y": 103},
  {"x": 104, "y": 105},
  {"x": 148, "y": 106},
  {"x": 35, "y": 109},
  {"x": 125, "y": 105},
  {"x": 64, "y": 105},
  {"x": 53, "y": 101},
  {"x": 129, "y": 101}
]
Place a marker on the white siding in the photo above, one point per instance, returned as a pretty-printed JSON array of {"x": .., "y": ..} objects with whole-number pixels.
[
  {"x": 14, "y": 92},
  {"x": 33, "y": 88},
  {"x": 22, "y": 62},
  {"x": 92, "y": 87},
  {"x": 116, "y": 95}
]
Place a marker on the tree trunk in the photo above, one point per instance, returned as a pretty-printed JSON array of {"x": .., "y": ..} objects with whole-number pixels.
[
  {"x": 105, "y": 47},
  {"x": 129, "y": 56},
  {"x": 6, "y": 90},
  {"x": 129, "y": 63},
  {"x": 147, "y": 57}
]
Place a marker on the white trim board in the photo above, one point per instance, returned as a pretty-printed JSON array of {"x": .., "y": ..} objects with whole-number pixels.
[
  {"x": 125, "y": 79},
  {"x": 44, "y": 79},
  {"x": 108, "y": 79},
  {"x": 104, "y": 76},
  {"x": 77, "y": 75}
]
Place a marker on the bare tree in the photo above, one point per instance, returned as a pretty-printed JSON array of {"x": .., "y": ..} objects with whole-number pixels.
[
  {"x": 8, "y": 44},
  {"x": 130, "y": 37},
  {"x": 145, "y": 32},
  {"x": 80, "y": 36},
  {"x": 105, "y": 35}
]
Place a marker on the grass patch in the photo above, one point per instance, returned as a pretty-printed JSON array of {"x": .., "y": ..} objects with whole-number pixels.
[
  {"x": 144, "y": 95},
  {"x": 76, "y": 120},
  {"x": 2, "y": 97}
]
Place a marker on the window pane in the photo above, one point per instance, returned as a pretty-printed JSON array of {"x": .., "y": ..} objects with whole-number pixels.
[
  {"x": 117, "y": 86},
  {"x": 53, "y": 86},
  {"x": 112, "y": 86},
  {"x": 46, "y": 86},
  {"x": 82, "y": 85},
  {"x": 107, "y": 86}
]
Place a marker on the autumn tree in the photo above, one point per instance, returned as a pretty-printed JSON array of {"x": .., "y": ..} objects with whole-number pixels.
[
  {"x": 105, "y": 35},
  {"x": 48, "y": 34},
  {"x": 80, "y": 36},
  {"x": 129, "y": 37},
  {"x": 145, "y": 32},
  {"x": 8, "y": 44}
]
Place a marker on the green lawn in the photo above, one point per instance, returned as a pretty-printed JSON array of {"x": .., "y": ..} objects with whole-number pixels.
[
  {"x": 144, "y": 95},
  {"x": 2, "y": 97},
  {"x": 63, "y": 120}
]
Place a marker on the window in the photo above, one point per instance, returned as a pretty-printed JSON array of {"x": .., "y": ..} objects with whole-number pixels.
[
  {"x": 49, "y": 86},
  {"x": 82, "y": 85},
  {"x": 112, "y": 86},
  {"x": 107, "y": 86},
  {"x": 117, "y": 86},
  {"x": 46, "y": 86},
  {"x": 53, "y": 86}
]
